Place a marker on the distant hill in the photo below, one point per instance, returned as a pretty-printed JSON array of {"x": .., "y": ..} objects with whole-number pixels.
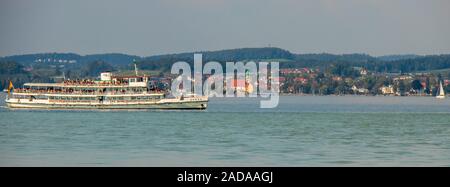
[
  {"x": 326, "y": 57},
  {"x": 64, "y": 62},
  {"x": 421, "y": 63},
  {"x": 29, "y": 59},
  {"x": 115, "y": 59},
  {"x": 390, "y": 58},
  {"x": 230, "y": 55},
  {"x": 391, "y": 63},
  {"x": 11, "y": 67},
  {"x": 71, "y": 59},
  {"x": 165, "y": 62}
]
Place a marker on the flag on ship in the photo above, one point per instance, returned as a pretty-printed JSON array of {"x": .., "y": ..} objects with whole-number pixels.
[{"x": 10, "y": 87}]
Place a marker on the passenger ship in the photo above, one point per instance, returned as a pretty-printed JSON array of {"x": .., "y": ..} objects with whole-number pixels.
[{"x": 110, "y": 92}]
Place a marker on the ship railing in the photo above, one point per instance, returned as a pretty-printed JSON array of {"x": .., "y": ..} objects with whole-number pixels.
[
  {"x": 93, "y": 83},
  {"x": 96, "y": 102},
  {"x": 70, "y": 101},
  {"x": 84, "y": 92}
]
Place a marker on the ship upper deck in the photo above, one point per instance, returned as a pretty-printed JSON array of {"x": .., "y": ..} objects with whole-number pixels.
[{"x": 82, "y": 85}]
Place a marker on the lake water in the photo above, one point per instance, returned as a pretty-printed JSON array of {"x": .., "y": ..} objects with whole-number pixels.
[{"x": 301, "y": 131}]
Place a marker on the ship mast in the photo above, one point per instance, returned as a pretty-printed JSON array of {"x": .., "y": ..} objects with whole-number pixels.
[{"x": 135, "y": 69}]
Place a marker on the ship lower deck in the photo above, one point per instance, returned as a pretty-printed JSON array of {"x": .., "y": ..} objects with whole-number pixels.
[{"x": 189, "y": 104}]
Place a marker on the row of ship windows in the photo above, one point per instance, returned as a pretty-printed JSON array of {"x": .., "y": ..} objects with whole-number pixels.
[
  {"x": 134, "y": 98},
  {"x": 91, "y": 98}
]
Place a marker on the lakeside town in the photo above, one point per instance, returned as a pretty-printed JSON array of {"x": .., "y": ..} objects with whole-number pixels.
[
  {"x": 356, "y": 81},
  {"x": 360, "y": 81},
  {"x": 334, "y": 80}
]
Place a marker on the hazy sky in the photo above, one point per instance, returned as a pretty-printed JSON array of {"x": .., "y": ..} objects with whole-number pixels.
[{"x": 148, "y": 27}]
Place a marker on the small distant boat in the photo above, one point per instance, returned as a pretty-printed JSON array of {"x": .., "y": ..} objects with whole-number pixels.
[{"x": 441, "y": 92}]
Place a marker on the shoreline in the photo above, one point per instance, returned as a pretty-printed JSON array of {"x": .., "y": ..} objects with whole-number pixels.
[
  {"x": 287, "y": 94},
  {"x": 368, "y": 95}
]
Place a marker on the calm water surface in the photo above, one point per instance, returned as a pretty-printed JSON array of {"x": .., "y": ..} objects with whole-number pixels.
[{"x": 302, "y": 131}]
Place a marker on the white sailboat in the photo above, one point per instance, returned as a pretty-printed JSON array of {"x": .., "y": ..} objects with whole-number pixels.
[{"x": 441, "y": 92}]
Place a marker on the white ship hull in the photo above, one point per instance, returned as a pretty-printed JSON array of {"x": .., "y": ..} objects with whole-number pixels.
[{"x": 191, "y": 103}]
